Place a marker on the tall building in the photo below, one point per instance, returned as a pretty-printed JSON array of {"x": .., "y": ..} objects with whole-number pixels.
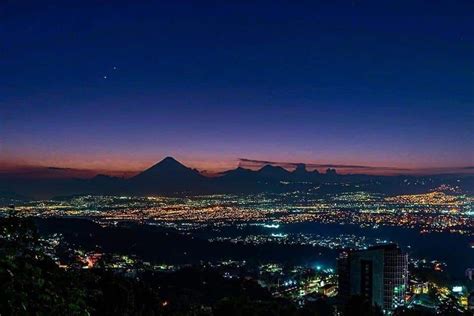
[
  {"x": 379, "y": 274},
  {"x": 470, "y": 302}
]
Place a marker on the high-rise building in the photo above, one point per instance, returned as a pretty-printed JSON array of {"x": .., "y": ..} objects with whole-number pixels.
[
  {"x": 470, "y": 302},
  {"x": 379, "y": 274}
]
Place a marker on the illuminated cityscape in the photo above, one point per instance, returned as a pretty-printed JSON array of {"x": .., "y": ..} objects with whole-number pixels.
[
  {"x": 237, "y": 158},
  {"x": 430, "y": 212},
  {"x": 298, "y": 223}
]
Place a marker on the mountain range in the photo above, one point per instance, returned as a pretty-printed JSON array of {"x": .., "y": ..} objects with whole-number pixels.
[{"x": 170, "y": 177}]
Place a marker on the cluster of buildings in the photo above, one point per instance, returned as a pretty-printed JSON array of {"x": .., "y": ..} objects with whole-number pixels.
[
  {"x": 340, "y": 241},
  {"x": 377, "y": 274},
  {"x": 431, "y": 212}
]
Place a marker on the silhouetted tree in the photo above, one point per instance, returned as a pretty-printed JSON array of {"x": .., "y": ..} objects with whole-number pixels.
[{"x": 31, "y": 283}]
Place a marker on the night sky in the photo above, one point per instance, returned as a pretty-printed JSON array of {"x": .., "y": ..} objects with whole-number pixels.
[{"x": 112, "y": 86}]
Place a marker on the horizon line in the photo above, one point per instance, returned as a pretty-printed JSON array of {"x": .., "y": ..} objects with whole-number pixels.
[{"x": 48, "y": 171}]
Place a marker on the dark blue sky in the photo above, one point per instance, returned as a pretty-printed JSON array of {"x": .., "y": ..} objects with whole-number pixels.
[{"x": 379, "y": 83}]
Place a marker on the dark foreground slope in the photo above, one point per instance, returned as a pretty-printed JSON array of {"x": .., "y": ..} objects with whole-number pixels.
[{"x": 32, "y": 284}]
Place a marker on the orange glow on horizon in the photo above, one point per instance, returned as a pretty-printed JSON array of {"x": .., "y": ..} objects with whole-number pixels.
[{"x": 119, "y": 166}]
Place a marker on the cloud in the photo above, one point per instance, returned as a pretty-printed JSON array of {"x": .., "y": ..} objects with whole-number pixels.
[
  {"x": 383, "y": 170},
  {"x": 51, "y": 172},
  {"x": 285, "y": 164},
  {"x": 60, "y": 169}
]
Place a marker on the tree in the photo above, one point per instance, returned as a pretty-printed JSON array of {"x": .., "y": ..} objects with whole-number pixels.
[{"x": 32, "y": 284}]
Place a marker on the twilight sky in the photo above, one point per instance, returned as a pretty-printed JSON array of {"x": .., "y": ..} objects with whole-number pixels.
[{"x": 117, "y": 86}]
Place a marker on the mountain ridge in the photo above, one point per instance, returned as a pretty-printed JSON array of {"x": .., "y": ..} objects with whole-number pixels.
[{"x": 171, "y": 177}]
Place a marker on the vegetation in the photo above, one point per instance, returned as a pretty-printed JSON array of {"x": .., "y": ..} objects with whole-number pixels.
[{"x": 32, "y": 284}]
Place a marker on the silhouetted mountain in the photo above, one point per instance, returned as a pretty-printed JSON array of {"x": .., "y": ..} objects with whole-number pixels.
[
  {"x": 238, "y": 180},
  {"x": 168, "y": 175},
  {"x": 165, "y": 168},
  {"x": 267, "y": 179},
  {"x": 104, "y": 184},
  {"x": 302, "y": 175},
  {"x": 274, "y": 172},
  {"x": 171, "y": 177},
  {"x": 239, "y": 173},
  {"x": 300, "y": 169}
]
